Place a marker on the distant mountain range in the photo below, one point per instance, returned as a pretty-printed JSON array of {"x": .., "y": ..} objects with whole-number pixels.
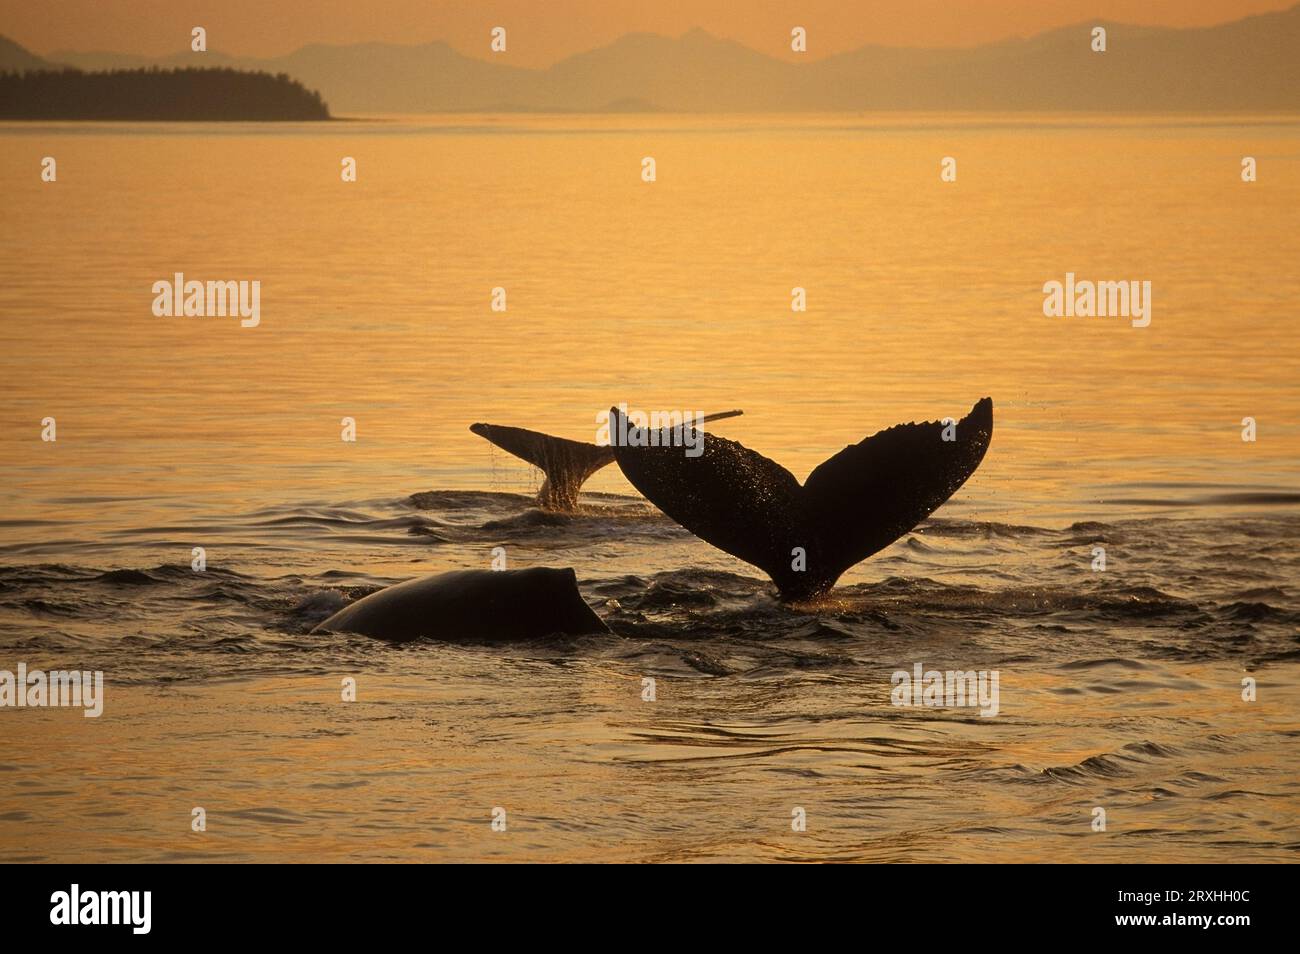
[
  {"x": 1250, "y": 65},
  {"x": 14, "y": 57}
]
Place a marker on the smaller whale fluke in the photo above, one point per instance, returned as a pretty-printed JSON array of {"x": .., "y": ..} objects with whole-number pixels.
[
  {"x": 851, "y": 506},
  {"x": 567, "y": 464},
  {"x": 472, "y": 605}
]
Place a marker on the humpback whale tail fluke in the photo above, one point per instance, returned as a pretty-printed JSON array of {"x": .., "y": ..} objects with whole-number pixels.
[
  {"x": 805, "y": 536},
  {"x": 567, "y": 464}
]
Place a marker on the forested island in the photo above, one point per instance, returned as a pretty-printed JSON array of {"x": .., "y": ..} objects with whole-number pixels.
[{"x": 158, "y": 94}]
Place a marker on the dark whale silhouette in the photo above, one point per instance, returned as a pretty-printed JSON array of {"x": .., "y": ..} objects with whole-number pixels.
[
  {"x": 474, "y": 606},
  {"x": 851, "y": 506},
  {"x": 567, "y": 464}
]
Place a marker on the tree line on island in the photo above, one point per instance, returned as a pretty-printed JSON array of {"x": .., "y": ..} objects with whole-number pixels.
[{"x": 157, "y": 94}]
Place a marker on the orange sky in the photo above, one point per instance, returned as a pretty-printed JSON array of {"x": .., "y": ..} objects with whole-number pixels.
[{"x": 542, "y": 31}]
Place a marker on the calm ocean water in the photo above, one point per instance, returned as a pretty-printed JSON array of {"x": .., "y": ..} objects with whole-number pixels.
[{"x": 1120, "y": 689}]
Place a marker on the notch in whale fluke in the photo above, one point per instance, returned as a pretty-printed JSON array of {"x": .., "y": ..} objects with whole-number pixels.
[
  {"x": 851, "y": 506},
  {"x": 567, "y": 464}
]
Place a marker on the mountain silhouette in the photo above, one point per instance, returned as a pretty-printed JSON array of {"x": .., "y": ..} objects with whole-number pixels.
[
  {"x": 15, "y": 57},
  {"x": 1249, "y": 65}
]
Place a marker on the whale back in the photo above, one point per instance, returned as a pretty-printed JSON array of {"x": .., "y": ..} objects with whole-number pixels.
[{"x": 472, "y": 606}]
